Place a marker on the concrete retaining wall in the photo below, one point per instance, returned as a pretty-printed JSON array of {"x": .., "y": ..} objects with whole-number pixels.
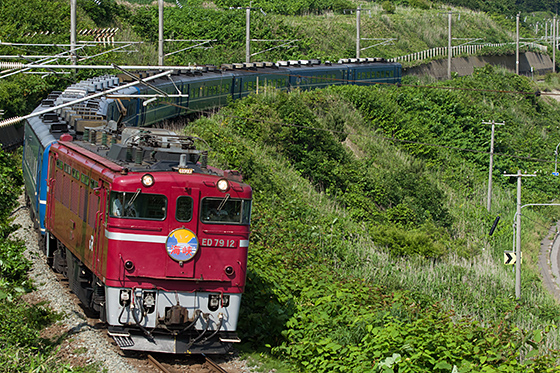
[{"x": 465, "y": 65}]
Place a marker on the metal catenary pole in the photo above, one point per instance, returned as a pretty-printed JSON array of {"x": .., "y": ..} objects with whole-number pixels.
[
  {"x": 519, "y": 175},
  {"x": 554, "y": 44},
  {"x": 358, "y": 11},
  {"x": 517, "y": 45},
  {"x": 449, "y": 52},
  {"x": 489, "y": 198},
  {"x": 248, "y": 34},
  {"x": 160, "y": 29},
  {"x": 73, "y": 31}
]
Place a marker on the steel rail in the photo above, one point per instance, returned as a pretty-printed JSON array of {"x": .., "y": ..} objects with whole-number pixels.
[
  {"x": 157, "y": 364},
  {"x": 214, "y": 365}
]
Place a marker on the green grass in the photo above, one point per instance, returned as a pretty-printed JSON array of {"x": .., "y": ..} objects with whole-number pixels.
[{"x": 310, "y": 241}]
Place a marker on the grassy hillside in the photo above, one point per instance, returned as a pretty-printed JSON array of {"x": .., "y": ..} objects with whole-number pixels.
[{"x": 370, "y": 232}]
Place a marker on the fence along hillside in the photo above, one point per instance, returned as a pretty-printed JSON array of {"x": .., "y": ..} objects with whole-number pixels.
[{"x": 461, "y": 50}]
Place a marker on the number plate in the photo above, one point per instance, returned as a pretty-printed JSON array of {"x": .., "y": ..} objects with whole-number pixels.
[{"x": 218, "y": 242}]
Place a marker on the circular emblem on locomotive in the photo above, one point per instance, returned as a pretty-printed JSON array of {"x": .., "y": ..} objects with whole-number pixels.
[{"x": 181, "y": 245}]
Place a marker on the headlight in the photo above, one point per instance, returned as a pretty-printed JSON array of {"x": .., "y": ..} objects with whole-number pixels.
[
  {"x": 223, "y": 185},
  {"x": 147, "y": 180}
]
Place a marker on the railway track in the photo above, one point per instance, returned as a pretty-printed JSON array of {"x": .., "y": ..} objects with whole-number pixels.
[{"x": 208, "y": 363}]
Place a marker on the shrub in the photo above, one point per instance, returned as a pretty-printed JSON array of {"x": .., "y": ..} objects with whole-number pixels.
[
  {"x": 388, "y": 7},
  {"x": 420, "y": 4}
]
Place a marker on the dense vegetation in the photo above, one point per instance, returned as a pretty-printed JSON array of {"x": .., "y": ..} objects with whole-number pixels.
[
  {"x": 369, "y": 247},
  {"x": 22, "y": 348}
]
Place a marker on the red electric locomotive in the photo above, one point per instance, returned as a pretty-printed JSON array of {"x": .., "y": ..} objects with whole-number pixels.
[{"x": 150, "y": 237}]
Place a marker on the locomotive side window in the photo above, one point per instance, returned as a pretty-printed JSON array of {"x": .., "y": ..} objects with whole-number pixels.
[
  {"x": 225, "y": 210},
  {"x": 93, "y": 202},
  {"x": 184, "y": 209},
  {"x": 138, "y": 205}
]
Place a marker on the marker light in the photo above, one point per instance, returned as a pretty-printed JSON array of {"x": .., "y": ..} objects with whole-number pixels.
[
  {"x": 147, "y": 180},
  {"x": 223, "y": 185}
]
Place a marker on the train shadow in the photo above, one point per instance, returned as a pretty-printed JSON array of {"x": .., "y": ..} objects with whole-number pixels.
[{"x": 263, "y": 315}]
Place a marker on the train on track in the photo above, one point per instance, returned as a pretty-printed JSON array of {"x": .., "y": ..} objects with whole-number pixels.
[{"x": 148, "y": 234}]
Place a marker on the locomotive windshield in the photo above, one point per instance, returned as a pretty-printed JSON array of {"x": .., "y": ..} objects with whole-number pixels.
[
  {"x": 226, "y": 210},
  {"x": 138, "y": 205}
]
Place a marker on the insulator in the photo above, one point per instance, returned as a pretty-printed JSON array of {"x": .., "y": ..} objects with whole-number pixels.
[
  {"x": 129, "y": 153},
  {"x": 11, "y": 65},
  {"x": 9, "y": 122},
  {"x": 139, "y": 155}
]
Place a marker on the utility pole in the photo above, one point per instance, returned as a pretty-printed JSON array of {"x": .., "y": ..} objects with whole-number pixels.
[
  {"x": 449, "y": 52},
  {"x": 489, "y": 199},
  {"x": 248, "y": 34},
  {"x": 517, "y": 45},
  {"x": 73, "y": 32},
  {"x": 160, "y": 41},
  {"x": 519, "y": 175},
  {"x": 358, "y": 11}
]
